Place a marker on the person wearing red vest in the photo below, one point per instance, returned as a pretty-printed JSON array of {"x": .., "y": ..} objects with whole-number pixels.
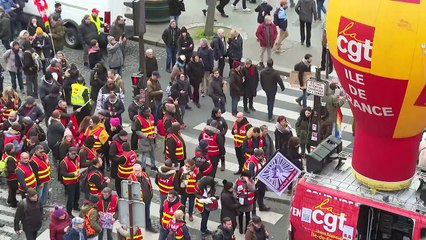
[
  {"x": 239, "y": 130},
  {"x": 252, "y": 141},
  {"x": 205, "y": 201},
  {"x": 123, "y": 233},
  {"x": 30, "y": 129},
  {"x": 13, "y": 135},
  {"x": 170, "y": 206},
  {"x": 175, "y": 145},
  {"x": 202, "y": 160},
  {"x": 166, "y": 180},
  {"x": 69, "y": 169},
  {"x": 12, "y": 179},
  {"x": 107, "y": 205},
  {"x": 177, "y": 226},
  {"x": 188, "y": 176},
  {"x": 41, "y": 165},
  {"x": 10, "y": 102},
  {"x": 223, "y": 128},
  {"x": 125, "y": 165},
  {"x": 87, "y": 153},
  {"x": 146, "y": 193},
  {"x": 145, "y": 129},
  {"x": 253, "y": 166},
  {"x": 216, "y": 144},
  {"x": 25, "y": 175},
  {"x": 96, "y": 181},
  {"x": 116, "y": 151},
  {"x": 244, "y": 190}
]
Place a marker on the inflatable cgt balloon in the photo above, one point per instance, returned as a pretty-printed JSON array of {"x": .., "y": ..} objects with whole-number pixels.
[{"x": 379, "y": 55}]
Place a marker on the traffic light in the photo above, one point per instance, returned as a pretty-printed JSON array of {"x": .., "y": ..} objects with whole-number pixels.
[
  {"x": 138, "y": 84},
  {"x": 137, "y": 15}
]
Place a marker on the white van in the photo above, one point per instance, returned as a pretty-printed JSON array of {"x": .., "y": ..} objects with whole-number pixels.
[{"x": 73, "y": 12}]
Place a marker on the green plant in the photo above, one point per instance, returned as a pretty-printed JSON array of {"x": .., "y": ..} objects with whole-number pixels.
[{"x": 198, "y": 32}]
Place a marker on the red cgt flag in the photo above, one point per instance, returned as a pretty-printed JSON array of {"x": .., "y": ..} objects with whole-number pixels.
[{"x": 42, "y": 10}]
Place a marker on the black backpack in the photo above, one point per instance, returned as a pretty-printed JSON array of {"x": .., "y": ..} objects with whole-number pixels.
[{"x": 172, "y": 234}]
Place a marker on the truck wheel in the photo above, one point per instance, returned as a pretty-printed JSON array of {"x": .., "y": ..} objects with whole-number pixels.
[{"x": 71, "y": 38}]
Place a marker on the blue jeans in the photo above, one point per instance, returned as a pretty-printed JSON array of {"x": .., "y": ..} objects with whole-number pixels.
[
  {"x": 204, "y": 219},
  {"x": 145, "y": 155},
  {"x": 163, "y": 233},
  {"x": 43, "y": 193},
  {"x": 302, "y": 98},
  {"x": 234, "y": 104},
  {"x": 13, "y": 77},
  {"x": 191, "y": 197},
  {"x": 171, "y": 57},
  {"x": 320, "y": 6},
  {"x": 270, "y": 101}
]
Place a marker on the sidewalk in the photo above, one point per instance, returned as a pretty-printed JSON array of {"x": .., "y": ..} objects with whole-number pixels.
[{"x": 246, "y": 23}]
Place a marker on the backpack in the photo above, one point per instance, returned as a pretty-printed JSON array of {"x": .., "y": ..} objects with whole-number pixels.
[
  {"x": 276, "y": 16},
  {"x": 90, "y": 231},
  {"x": 172, "y": 234},
  {"x": 36, "y": 59}
]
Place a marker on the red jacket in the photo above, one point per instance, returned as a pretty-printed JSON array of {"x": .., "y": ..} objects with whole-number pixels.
[
  {"x": 57, "y": 227},
  {"x": 262, "y": 35}
]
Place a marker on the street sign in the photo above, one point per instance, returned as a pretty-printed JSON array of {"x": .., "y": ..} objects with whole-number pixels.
[
  {"x": 316, "y": 88},
  {"x": 278, "y": 173},
  {"x": 138, "y": 212},
  {"x": 136, "y": 190}
]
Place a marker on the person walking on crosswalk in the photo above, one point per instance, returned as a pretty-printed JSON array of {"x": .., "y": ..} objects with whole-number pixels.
[
  {"x": 250, "y": 83},
  {"x": 216, "y": 144},
  {"x": 188, "y": 176},
  {"x": 302, "y": 67},
  {"x": 269, "y": 78},
  {"x": 215, "y": 90},
  {"x": 244, "y": 190},
  {"x": 252, "y": 141},
  {"x": 223, "y": 128},
  {"x": 239, "y": 130},
  {"x": 145, "y": 130},
  {"x": 236, "y": 88}
]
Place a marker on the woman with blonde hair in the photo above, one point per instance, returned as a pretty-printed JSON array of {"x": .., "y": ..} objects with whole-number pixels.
[
  {"x": 235, "y": 47},
  {"x": 10, "y": 100},
  {"x": 205, "y": 52},
  {"x": 177, "y": 226}
]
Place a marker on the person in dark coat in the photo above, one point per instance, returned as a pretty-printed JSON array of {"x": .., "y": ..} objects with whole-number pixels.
[
  {"x": 31, "y": 110},
  {"x": 293, "y": 155},
  {"x": 113, "y": 107},
  {"x": 55, "y": 133},
  {"x": 30, "y": 68},
  {"x": 176, "y": 7},
  {"x": 87, "y": 32},
  {"x": 263, "y": 9},
  {"x": 185, "y": 44},
  {"x": 269, "y": 149},
  {"x": 222, "y": 126},
  {"x": 150, "y": 62},
  {"x": 29, "y": 213},
  {"x": 307, "y": 11},
  {"x": 216, "y": 90},
  {"x": 251, "y": 81},
  {"x": 219, "y": 47},
  {"x": 94, "y": 54},
  {"x": 235, "y": 47},
  {"x": 76, "y": 231},
  {"x": 58, "y": 32},
  {"x": 49, "y": 91},
  {"x": 181, "y": 90},
  {"x": 303, "y": 128},
  {"x": 5, "y": 31},
  {"x": 205, "y": 52},
  {"x": 33, "y": 24},
  {"x": 236, "y": 88},
  {"x": 229, "y": 203},
  {"x": 195, "y": 71},
  {"x": 98, "y": 78},
  {"x": 170, "y": 38},
  {"x": 269, "y": 78},
  {"x": 282, "y": 134},
  {"x": 302, "y": 67},
  {"x": 225, "y": 231},
  {"x": 52, "y": 100},
  {"x": 43, "y": 47}
]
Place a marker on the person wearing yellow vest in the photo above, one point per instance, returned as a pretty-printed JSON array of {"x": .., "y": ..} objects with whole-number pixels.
[
  {"x": 123, "y": 233},
  {"x": 97, "y": 130},
  {"x": 12, "y": 180},
  {"x": 252, "y": 141},
  {"x": 94, "y": 18},
  {"x": 205, "y": 201},
  {"x": 239, "y": 130},
  {"x": 175, "y": 145},
  {"x": 87, "y": 153},
  {"x": 40, "y": 163},
  {"x": 80, "y": 99},
  {"x": 145, "y": 130},
  {"x": 25, "y": 175},
  {"x": 96, "y": 181},
  {"x": 146, "y": 193},
  {"x": 170, "y": 206},
  {"x": 188, "y": 176},
  {"x": 10, "y": 101},
  {"x": 125, "y": 164},
  {"x": 69, "y": 169},
  {"x": 177, "y": 227},
  {"x": 107, "y": 206},
  {"x": 166, "y": 180},
  {"x": 253, "y": 166}
]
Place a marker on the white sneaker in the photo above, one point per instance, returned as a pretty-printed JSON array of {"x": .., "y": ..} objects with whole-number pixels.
[
  {"x": 246, "y": 10},
  {"x": 234, "y": 7}
]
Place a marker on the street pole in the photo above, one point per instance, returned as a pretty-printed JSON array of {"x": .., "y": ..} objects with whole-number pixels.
[
  {"x": 208, "y": 29},
  {"x": 316, "y": 115},
  {"x": 142, "y": 29},
  {"x": 129, "y": 189}
]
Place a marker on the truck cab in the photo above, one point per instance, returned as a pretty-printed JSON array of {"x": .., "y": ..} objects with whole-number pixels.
[{"x": 334, "y": 205}]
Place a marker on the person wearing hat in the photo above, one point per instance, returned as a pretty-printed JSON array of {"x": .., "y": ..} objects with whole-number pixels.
[
  {"x": 154, "y": 95},
  {"x": 59, "y": 223},
  {"x": 145, "y": 130},
  {"x": 77, "y": 230},
  {"x": 202, "y": 159},
  {"x": 29, "y": 214},
  {"x": 166, "y": 180},
  {"x": 216, "y": 144},
  {"x": 31, "y": 109},
  {"x": 90, "y": 214},
  {"x": 185, "y": 44},
  {"x": 251, "y": 81},
  {"x": 69, "y": 169},
  {"x": 175, "y": 145},
  {"x": 87, "y": 31},
  {"x": 68, "y": 141},
  {"x": 229, "y": 204},
  {"x": 236, "y": 85},
  {"x": 40, "y": 164},
  {"x": 256, "y": 229},
  {"x": 115, "y": 54},
  {"x": 170, "y": 38},
  {"x": 13, "y": 135},
  {"x": 80, "y": 99},
  {"x": 43, "y": 47},
  {"x": 170, "y": 206},
  {"x": 94, "y": 18},
  {"x": 55, "y": 68},
  {"x": 244, "y": 190}
]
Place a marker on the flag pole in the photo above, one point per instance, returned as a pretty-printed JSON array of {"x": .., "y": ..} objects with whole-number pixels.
[{"x": 51, "y": 39}]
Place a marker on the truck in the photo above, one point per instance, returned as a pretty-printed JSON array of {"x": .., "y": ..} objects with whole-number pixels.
[
  {"x": 74, "y": 11},
  {"x": 334, "y": 205}
]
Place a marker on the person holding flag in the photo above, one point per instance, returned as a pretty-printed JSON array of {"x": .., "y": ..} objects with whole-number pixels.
[{"x": 333, "y": 102}]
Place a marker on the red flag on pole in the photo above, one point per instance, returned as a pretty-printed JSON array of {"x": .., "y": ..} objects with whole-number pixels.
[{"x": 42, "y": 8}]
